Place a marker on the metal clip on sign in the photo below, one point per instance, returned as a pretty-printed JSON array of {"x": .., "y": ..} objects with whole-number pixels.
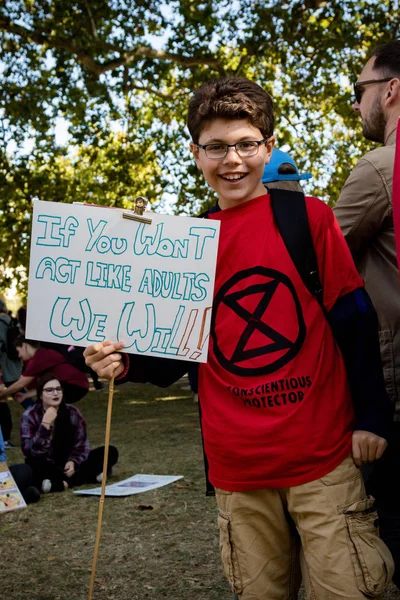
[{"x": 140, "y": 205}]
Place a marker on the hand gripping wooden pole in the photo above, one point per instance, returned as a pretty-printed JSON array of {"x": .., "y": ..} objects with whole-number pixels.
[{"x": 103, "y": 486}]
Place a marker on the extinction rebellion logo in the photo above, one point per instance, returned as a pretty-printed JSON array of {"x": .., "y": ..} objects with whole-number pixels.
[{"x": 255, "y": 303}]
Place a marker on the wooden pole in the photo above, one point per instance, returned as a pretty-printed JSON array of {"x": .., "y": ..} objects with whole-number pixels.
[{"x": 103, "y": 486}]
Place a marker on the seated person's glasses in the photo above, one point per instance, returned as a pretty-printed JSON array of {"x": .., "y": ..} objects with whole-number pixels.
[
  {"x": 51, "y": 390},
  {"x": 244, "y": 149},
  {"x": 359, "y": 86}
]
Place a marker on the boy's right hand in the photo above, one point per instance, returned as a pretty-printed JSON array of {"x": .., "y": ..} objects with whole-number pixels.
[{"x": 104, "y": 358}]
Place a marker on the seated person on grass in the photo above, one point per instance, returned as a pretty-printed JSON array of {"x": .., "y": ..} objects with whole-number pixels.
[
  {"x": 44, "y": 360},
  {"x": 55, "y": 443},
  {"x": 283, "y": 436}
]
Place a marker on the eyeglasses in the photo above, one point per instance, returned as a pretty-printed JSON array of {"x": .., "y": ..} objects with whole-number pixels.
[
  {"x": 358, "y": 91},
  {"x": 51, "y": 390},
  {"x": 244, "y": 149}
]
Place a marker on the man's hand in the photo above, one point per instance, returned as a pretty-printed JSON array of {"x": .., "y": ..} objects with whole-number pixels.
[
  {"x": 69, "y": 468},
  {"x": 367, "y": 447},
  {"x": 21, "y": 396},
  {"x": 104, "y": 358}
]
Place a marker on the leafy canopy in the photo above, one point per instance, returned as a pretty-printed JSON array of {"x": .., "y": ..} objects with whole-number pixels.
[{"x": 119, "y": 74}]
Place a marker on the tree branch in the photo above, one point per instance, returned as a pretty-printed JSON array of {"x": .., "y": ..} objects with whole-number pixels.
[
  {"x": 93, "y": 28},
  {"x": 244, "y": 59},
  {"x": 144, "y": 88},
  {"x": 60, "y": 43}
]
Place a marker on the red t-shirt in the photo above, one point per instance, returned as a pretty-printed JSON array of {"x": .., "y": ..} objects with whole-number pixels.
[
  {"x": 46, "y": 360},
  {"x": 276, "y": 406}
]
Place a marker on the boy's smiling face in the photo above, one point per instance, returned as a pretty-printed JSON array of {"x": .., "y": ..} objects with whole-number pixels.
[{"x": 235, "y": 179}]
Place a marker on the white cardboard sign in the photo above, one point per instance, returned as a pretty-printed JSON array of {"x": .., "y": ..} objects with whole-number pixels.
[{"x": 94, "y": 276}]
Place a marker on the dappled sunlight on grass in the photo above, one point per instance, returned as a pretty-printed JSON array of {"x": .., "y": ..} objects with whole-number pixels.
[
  {"x": 137, "y": 402},
  {"x": 156, "y": 431},
  {"x": 159, "y": 399},
  {"x": 167, "y": 398}
]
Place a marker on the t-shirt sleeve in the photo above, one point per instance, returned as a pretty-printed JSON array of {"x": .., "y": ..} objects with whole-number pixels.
[{"x": 337, "y": 271}]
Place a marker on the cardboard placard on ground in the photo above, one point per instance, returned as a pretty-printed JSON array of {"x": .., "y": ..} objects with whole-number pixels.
[
  {"x": 137, "y": 484},
  {"x": 10, "y": 496}
]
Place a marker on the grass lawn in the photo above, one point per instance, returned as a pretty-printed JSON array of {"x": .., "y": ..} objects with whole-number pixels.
[
  {"x": 167, "y": 551},
  {"x": 170, "y": 551}
]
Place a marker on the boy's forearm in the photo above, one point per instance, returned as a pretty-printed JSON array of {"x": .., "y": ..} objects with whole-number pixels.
[
  {"x": 162, "y": 372},
  {"x": 355, "y": 327}
]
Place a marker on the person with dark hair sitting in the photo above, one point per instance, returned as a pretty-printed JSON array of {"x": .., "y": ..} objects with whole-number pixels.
[
  {"x": 55, "y": 443},
  {"x": 40, "y": 360}
]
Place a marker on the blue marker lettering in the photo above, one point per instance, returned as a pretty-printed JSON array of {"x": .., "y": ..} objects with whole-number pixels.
[
  {"x": 70, "y": 226},
  {"x": 201, "y": 233},
  {"x": 97, "y": 328},
  {"x": 77, "y": 327},
  {"x": 141, "y": 341},
  {"x": 147, "y": 243},
  {"x": 202, "y": 295},
  {"x": 94, "y": 233},
  {"x": 50, "y": 237},
  {"x": 62, "y": 270},
  {"x": 109, "y": 276}
]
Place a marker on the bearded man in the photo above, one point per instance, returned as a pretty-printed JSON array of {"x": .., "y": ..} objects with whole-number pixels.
[{"x": 364, "y": 212}]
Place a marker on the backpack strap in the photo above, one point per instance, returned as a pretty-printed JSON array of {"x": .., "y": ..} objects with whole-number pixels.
[{"x": 290, "y": 214}]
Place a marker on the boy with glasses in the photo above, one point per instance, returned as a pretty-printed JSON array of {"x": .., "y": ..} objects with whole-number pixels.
[{"x": 280, "y": 432}]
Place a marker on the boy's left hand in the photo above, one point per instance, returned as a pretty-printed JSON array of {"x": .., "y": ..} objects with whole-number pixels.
[{"x": 367, "y": 447}]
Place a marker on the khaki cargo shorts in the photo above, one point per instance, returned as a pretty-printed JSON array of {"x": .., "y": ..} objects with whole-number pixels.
[{"x": 324, "y": 532}]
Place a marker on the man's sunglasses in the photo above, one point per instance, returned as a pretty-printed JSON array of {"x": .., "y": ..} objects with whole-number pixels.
[{"x": 358, "y": 86}]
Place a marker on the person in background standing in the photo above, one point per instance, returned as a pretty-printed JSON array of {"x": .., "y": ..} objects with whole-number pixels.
[{"x": 364, "y": 212}]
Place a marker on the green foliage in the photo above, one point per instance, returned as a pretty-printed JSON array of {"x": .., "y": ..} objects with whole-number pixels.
[{"x": 120, "y": 73}]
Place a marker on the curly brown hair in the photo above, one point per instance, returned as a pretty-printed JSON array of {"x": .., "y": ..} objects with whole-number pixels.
[{"x": 230, "y": 98}]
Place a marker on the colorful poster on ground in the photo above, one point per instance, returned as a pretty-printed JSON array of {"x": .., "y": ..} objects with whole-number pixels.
[
  {"x": 10, "y": 496},
  {"x": 95, "y": 275},
  {"x": 137, "y": 484}
]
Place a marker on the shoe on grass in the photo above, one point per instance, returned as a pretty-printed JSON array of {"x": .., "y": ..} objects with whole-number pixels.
[
  {"x": 31, "y": 495},
  {"x": 9, "y": 444}
]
